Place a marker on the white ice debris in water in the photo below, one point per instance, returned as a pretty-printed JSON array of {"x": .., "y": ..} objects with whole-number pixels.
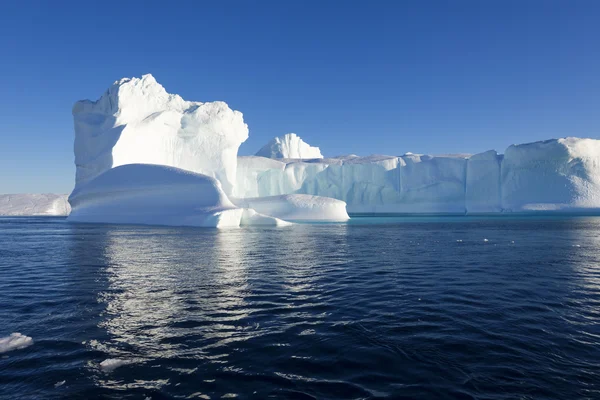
[
  {"x": 59, "y": 384},
  {"x": 485, "y": 240},
  {"x": 110, "y": 364},
  {"x": 14, "y": 342},
  {"x": 576, "y": 245},
  {"x": 459, "y": 240}
]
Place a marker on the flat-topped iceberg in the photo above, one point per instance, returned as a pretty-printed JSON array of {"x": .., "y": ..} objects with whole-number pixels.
[{"x": 558, "y": 174}]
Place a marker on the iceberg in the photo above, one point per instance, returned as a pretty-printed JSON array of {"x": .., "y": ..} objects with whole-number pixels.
[
  {"x": 145, "y": 156},
  {"x": 34, "y": 204},
  {"x": 137, "y": 122},
  {"x": 289, "y": 146},
  {"x": 554, "y": 175}
]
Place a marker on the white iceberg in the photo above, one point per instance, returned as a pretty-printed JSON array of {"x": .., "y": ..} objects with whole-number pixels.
[
  {"x": 554, "y": 175},
  {"x": 137, "y": 121},
  {"x": 32, "y": 204},
  {"x": 289, "y": 146}
]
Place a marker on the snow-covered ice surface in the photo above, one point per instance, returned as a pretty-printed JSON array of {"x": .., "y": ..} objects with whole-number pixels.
[
  {"x": 298, "y": 207},
  {"x": 558, "y": 174},
  {"x": 289, "y": 146},
  {"x": 158, "y": 195},
  {"x": 15, "y": 341},
  {"x": 34, "y": 204},
  {"x": 137, "y": 121}
]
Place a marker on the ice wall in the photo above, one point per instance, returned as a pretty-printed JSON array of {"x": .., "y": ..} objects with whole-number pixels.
[
  {"x": 289, "y": 146},
  {"x": 559, "y": 174},
  {"x": 137, "y": 121}
]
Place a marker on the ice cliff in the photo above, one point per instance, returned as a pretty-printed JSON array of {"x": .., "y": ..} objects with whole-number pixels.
[
  {"x": 289, "y": 146},
  {"x": 137, "y": 121},
  {"x": 558, "y": 174}
]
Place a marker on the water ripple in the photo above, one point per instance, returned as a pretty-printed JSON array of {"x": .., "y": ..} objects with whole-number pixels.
[{"x": 414, "y": 309}]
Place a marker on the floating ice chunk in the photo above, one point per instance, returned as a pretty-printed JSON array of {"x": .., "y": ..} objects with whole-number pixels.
[
  {"x": 251, "y": 217},
  {"x": 59, "y": 384},
  {"x": 298, "y": 207},
  {"x": 110, "y": 364},
  {"x": 485, "y": 240},
  {"x": 15, "y": 341}
]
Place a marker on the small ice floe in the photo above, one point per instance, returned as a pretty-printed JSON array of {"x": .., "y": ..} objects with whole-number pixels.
[
  {"x": 576, "y": 245},
  {"x": 485, "y": 240},
  {"x": 512, "y": 241},
  {"x": 459, "y": 240},
  {"x": 110, "y": 364},
  {"x": 59, "y": 384},
  {"x": 15, "y": 341}
]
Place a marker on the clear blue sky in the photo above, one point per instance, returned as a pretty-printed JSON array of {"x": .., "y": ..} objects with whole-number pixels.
[{"x": 364, "y": 77}]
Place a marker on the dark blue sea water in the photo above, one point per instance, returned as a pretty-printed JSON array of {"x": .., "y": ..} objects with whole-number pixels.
[{"x": 403, "y": 309}]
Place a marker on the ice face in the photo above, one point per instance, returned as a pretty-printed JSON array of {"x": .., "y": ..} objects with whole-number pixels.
[
  {"x": 552, "y": 175},
  {"x": 289, "y": 146},
  {"x": 137, "y": 121},
  {"x": 34, "y": 204},
  {"x": 559, "y": 174}
]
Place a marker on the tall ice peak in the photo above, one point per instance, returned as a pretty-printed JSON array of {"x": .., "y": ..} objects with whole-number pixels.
[
  {"x": 289, "y": 146},
  {"x": 137, "y": 121}
]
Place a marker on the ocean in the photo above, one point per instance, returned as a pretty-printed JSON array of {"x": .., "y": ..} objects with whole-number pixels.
[{"x": 398, "y": 308}]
